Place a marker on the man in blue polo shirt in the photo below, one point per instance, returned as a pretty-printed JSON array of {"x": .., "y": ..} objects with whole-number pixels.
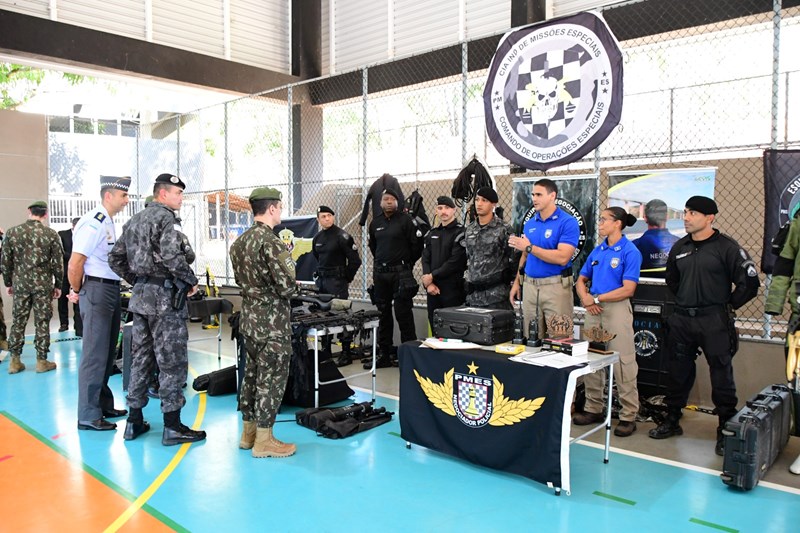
[{"x": 548, "y": 239}]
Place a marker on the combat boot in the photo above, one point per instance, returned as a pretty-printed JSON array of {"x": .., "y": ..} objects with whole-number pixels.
[
  {"x": 346, "y": 356},
  {"x": 268, "y": 446},
  {"x": 15, "y": 365},
  {"x": 248, "y": 438},
  {"x": 43, "y": 365},
  {"x": 668, "y": 427}
]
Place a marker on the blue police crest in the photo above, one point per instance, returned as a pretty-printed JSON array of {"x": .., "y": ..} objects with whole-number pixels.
[{"x": 472, "y": 399}]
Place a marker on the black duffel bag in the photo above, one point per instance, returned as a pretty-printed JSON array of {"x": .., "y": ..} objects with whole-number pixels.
[{"x": 218, "y": 382}]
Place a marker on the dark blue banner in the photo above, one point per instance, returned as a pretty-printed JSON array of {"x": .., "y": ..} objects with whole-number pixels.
[
  {"x": 781, "y": 197},
  {"x": 297, "y": 234},
  {"x": 481, "y": 407}
]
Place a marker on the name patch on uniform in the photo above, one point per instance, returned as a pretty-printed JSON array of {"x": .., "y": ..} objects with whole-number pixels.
[
  {"x": 100, "y": 217},
  {"x": 681, "y": 256}
]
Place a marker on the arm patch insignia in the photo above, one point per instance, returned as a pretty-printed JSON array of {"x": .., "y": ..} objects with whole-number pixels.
[{"x": 100, "y": 217}]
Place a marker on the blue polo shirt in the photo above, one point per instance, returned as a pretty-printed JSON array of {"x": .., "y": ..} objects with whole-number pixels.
[
  {"x": 560, "y": 227},
  {"x": 607, "y": 266}
]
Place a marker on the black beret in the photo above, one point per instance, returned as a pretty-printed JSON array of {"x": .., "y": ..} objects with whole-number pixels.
[
  {"x": 702, "y": 204},
  {"x": 170, "y": 179},
  {"x": 113, "y": 182},
  {"x": 325, "y": 209},
  {"x": 445, "y": 200},
  {"x": 391, "y": 192},
  {"x": 488, "y": 193}
]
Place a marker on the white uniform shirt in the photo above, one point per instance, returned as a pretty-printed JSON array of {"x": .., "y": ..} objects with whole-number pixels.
[{"x": 94, "y": 236}]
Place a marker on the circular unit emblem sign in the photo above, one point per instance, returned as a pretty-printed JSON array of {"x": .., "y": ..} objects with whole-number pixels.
[{"x": 554, "y": 91}]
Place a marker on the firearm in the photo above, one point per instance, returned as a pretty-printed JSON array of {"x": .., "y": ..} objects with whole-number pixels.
[
  {"x": 211, "y": 321},
  {"x": 180, "y": 290},
  {"x": 533, "y": 328}
]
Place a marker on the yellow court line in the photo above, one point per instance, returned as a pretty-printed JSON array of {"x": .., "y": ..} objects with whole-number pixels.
[{"x": 162, "y": 477}]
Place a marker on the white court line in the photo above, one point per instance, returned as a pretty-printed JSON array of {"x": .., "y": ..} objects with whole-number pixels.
[{"x": 685, "y": 466}]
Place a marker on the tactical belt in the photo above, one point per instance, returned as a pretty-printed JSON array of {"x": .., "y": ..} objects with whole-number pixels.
[
  {"x": 102, "y": 280},
  {"x": 549, "y": 280},
  {"x": 332, "y": 272},
  {"x": 699, "y": 311},
  {"x": 152, "y": 280},
  {"x": 382, "y": 269},
  {"x": 475, "y": 287}
]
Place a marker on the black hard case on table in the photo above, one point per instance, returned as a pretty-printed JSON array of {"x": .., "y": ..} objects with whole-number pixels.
[
  {"x": 472, "y": 324},
  {"x": 755, "y": 437}
]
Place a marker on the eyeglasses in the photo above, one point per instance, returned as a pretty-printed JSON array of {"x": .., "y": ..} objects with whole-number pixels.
[{"x": 602, "y": 220}]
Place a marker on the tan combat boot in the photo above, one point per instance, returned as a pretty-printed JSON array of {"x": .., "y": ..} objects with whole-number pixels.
[
  {"x": 248, "y": 435},
  {"x": 268, "y": 446},
  {"x": 15, "y": 365},
  {"x": 43, "y": 365}
]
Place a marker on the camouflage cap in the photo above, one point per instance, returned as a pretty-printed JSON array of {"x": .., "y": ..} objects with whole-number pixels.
[
  {"x": 265, "y": 193},
  {"x": 38, "y": 203},
  {"x": 122, "y": 183}
]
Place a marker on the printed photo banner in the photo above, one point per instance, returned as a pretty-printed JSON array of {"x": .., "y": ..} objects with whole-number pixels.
[
  {"x": 781, "y": 197},
  {"x": 297, "y": 234},
  {"x": 657, "y": 198},
  {"x": 554, "y": 91},
  {"x": 577, "y": 195}
]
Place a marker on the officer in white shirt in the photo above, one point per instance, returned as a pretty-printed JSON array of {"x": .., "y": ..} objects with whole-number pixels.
[{"x": 97, "y": 287}]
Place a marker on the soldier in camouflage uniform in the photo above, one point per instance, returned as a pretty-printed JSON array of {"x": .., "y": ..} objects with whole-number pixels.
[
  {"x": 33, "y": 269},
  {"x": 490, "y": 261},
  {"x": 264, "y": 270},
  {"x": 3, "y": 334},
  {"x": 150, "y": 257}
]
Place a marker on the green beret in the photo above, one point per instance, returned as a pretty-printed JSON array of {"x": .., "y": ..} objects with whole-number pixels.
[
  {"x": 38, "y": 203},
  {"x": 265, "y": 193},
  {"x": 148, "y": 199}
]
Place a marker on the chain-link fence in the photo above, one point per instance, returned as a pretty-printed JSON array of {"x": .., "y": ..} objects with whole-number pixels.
[{"x": 713, "y": 95}]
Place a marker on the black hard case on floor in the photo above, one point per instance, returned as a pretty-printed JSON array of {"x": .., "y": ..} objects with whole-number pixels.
[
  {"x": 755, "y": 437},
  {"x": 471, "y": 324}
]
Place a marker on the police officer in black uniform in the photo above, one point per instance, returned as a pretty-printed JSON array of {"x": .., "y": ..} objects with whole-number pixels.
[
  {"x": 701, "y": 268},
  {"x": 395, "y": 245},
  {"x": 444, "y": 260},
  {"x": 338, "y": 262}
]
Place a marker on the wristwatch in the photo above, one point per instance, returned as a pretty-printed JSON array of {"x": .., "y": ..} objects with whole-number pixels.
[
  {"x": 597, "y": 300},
  {"x": 528, "y": 249}
]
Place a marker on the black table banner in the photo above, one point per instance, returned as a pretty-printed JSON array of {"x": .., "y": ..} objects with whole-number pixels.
[{"x": 479, "y": 406}]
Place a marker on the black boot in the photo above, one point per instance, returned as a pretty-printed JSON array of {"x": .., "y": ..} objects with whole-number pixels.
[
  {"x": 176, "y": 433},
  {"x": 669, "y": 427},
  {"x": 346, "y": 356}
]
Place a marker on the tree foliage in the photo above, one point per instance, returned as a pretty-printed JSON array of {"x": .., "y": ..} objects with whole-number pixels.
[{"x": 20, "y": 83}]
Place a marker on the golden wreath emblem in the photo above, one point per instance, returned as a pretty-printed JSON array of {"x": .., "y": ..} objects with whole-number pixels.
[{"x": 476, "y": 400}]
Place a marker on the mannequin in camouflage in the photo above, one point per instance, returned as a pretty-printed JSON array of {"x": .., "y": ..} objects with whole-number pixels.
[
  {"x": 33, "y": 269},
  {"x": 264, "y": 270},
  {"x": 490, "y": 262}
]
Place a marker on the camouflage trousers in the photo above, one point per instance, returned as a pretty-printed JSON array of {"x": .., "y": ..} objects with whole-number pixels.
[
  {"x": 41, "y": 301},
  {"x": 158, "y": 339},
  {"x": 265, "y": 375},
  {"x": 3, "y": 333}
]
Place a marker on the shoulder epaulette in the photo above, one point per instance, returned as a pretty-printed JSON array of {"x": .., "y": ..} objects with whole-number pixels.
[{"x": 100, "y": 217}]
